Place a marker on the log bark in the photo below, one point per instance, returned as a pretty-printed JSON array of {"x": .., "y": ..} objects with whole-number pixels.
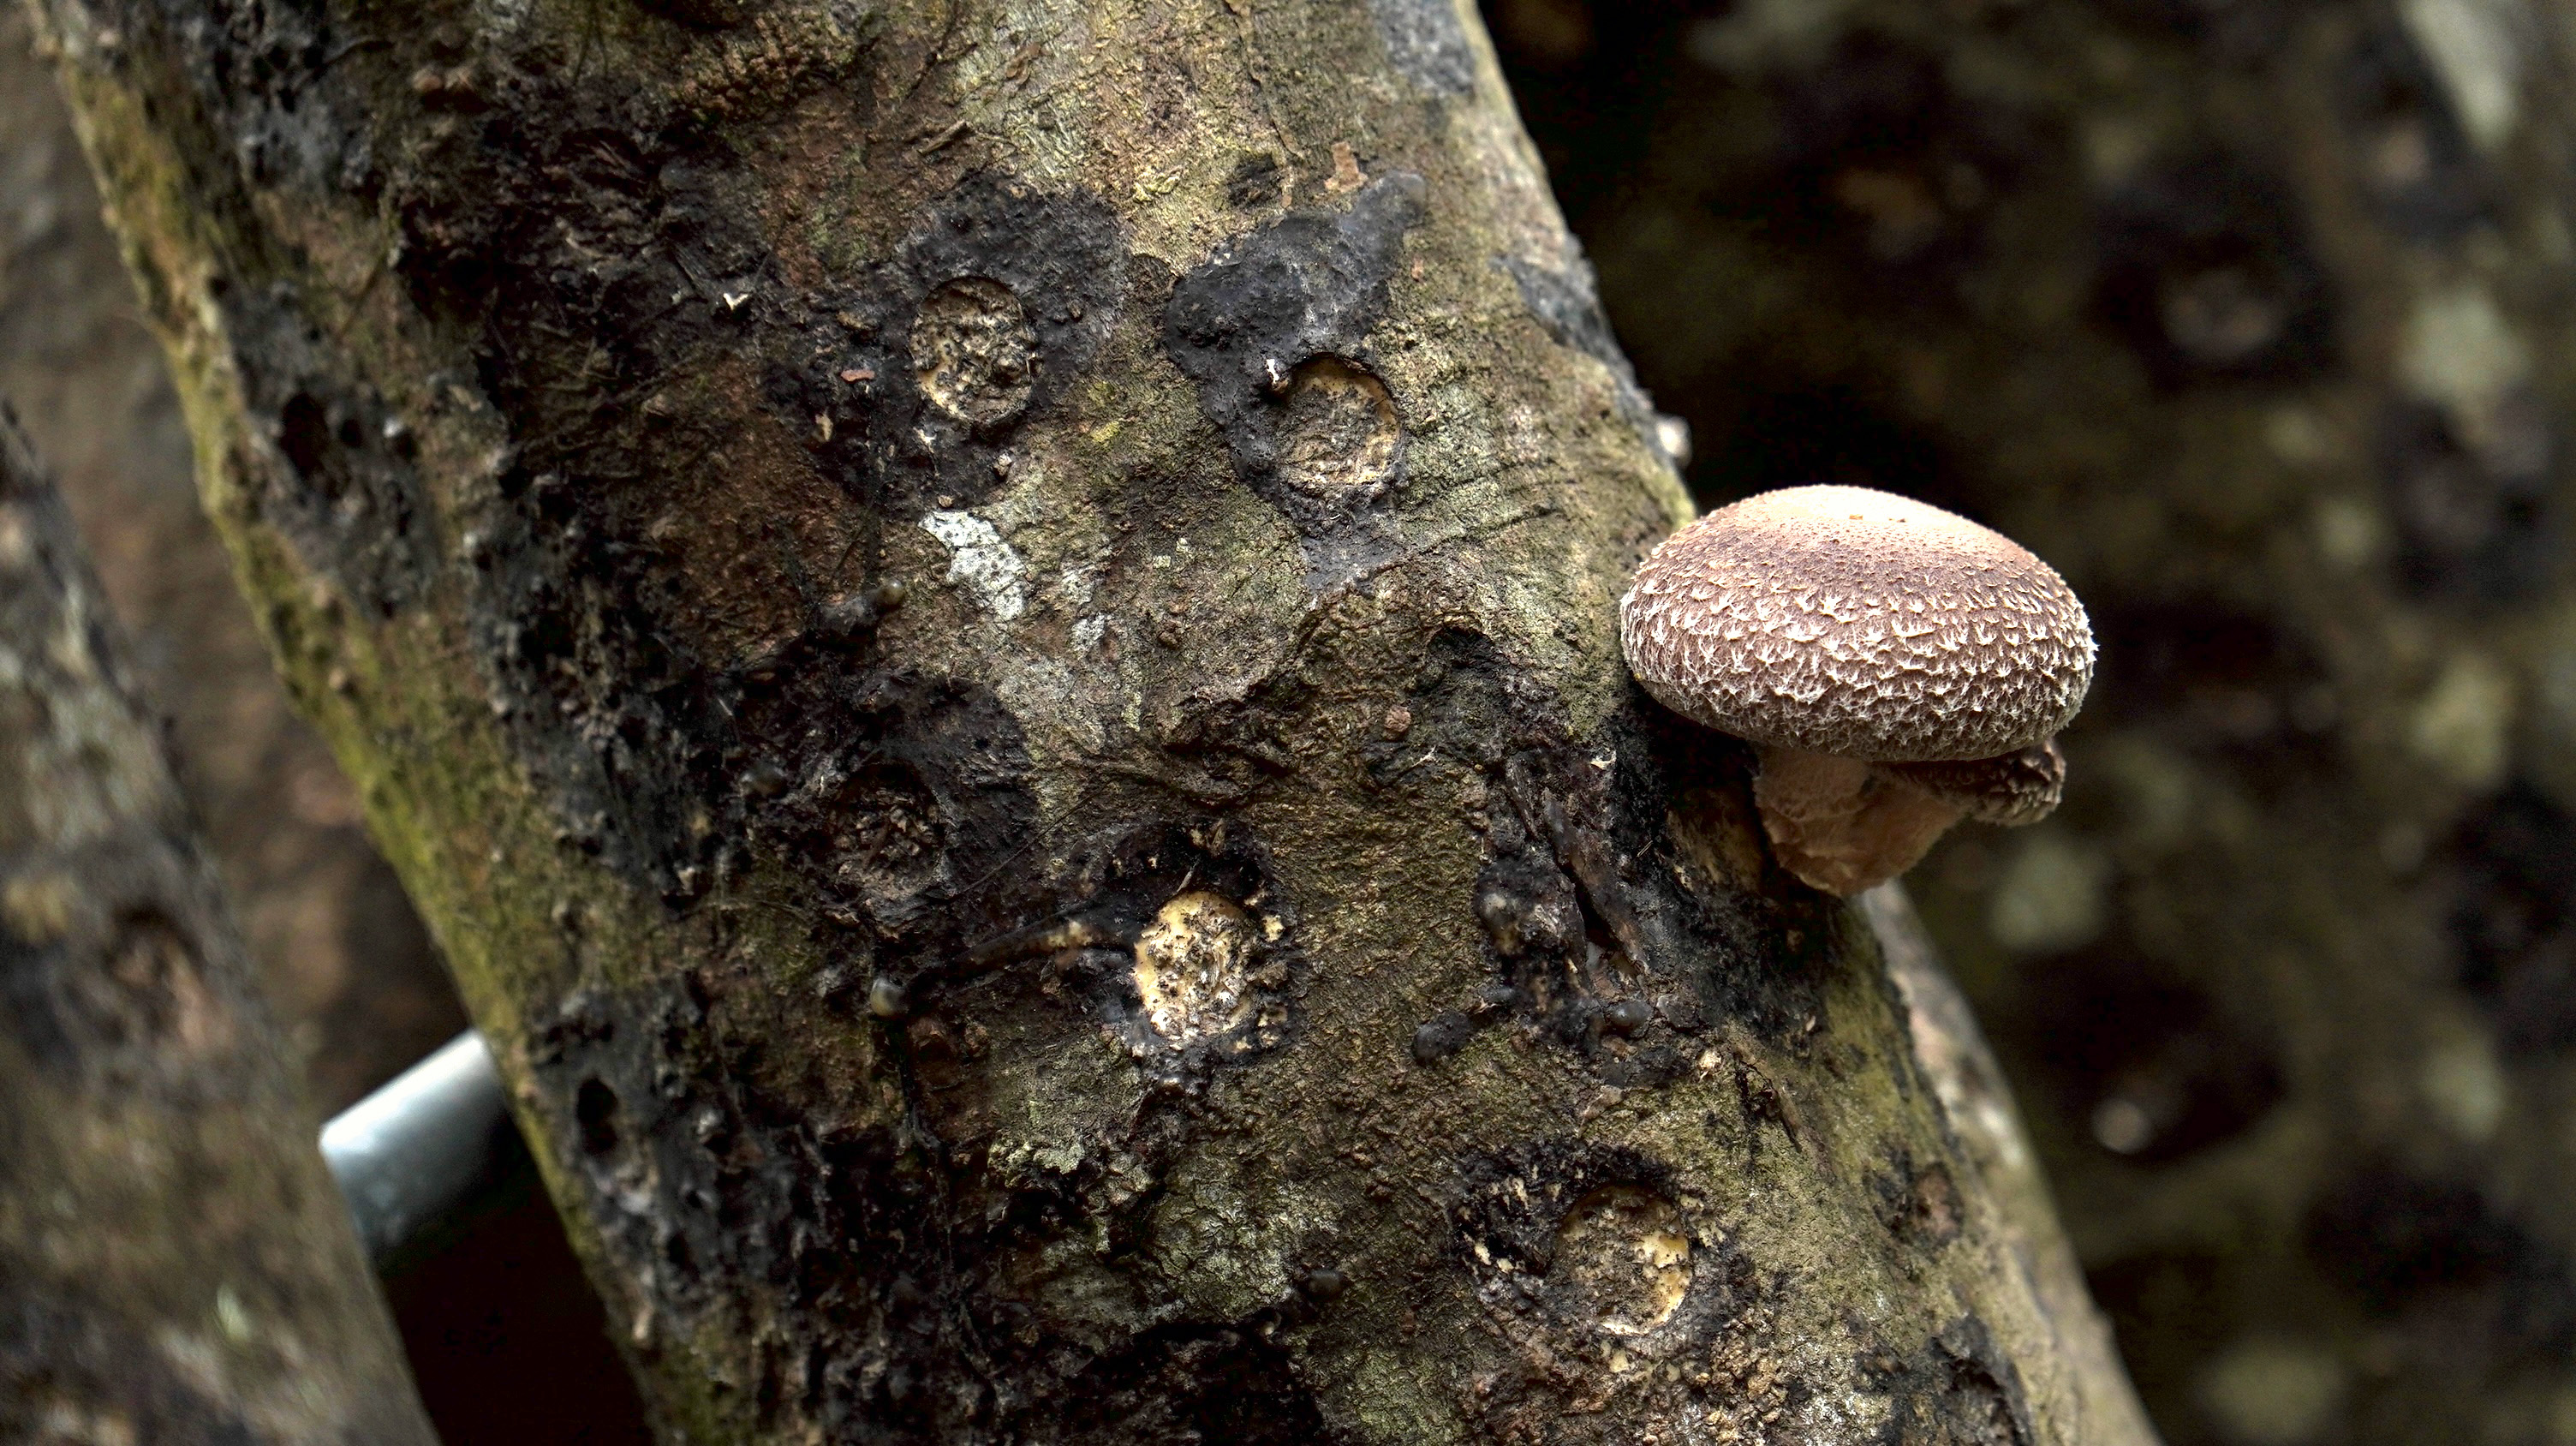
[
  {"x": 2254, "y": 319},
  {"x": 174, "y": 1262},
  {"x": 986, "y": 632},
  {"x": 342, "y": 960}
]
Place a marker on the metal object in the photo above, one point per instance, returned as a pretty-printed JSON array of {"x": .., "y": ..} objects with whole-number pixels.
[{"x": 416, "y": 1152}]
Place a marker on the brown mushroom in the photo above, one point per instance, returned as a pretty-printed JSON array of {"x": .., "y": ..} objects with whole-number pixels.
[{"x": 1895, "y": 666}]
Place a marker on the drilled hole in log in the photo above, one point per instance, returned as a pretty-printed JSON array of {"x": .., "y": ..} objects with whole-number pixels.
[
  {"x": 1193, "y": 967},
  {"x": 1624, "y": 1255},
  {"x": 974, "y": 351},
  {"x": 1341, "y": 435},
  {"x": 889, "y": 841}
]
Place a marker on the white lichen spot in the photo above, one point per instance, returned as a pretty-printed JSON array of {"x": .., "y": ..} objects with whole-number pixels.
[
  {"x": 2116, "y": 145},
  {"x": 1194, "y": 965},
  {"x": 2298, "y": 436},
  {"x": 1047, "y": 696},
  {"x": 2349, "y": 532},
  {"x": 2460, "y": 353},
  {"x": 502, "y": 17},
  {"x": 2463, "y": 725},
  {"x": 2476, "y": 46},
  {"x": 2272, "y": 1391},
  {"x": 39, "y": 905},
  {"x": 230, "y": 1316},
  {"x": 2124, "y": 1124},
  {"x": 1764, "y": 32},
  {"x": 2160, "y": 793},
  {"x": 1087, "y": 632},
  {"x": 2463, "y": 1084},
  {"x": 981, "y": 562},
  {"x": 2053, "y": 894}
]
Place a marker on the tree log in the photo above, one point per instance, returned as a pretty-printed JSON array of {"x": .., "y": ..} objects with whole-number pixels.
[
  {"x": 986, "y": 631},
  {"x": 2254, "y": 319},
  {"x": 342, "y": 961},
  {"x": 174, "y": 1262}
]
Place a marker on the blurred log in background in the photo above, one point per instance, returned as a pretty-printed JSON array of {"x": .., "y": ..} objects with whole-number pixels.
[
  {"x": 175, "y": 1264},
  {"x": 340, "y": 949},
  {"x": 502, "y": 1331}
]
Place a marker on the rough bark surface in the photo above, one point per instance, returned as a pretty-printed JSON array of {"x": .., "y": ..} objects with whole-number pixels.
[
  {"x": 2255, "y": 320},
  {"x": 987, "y": 633},
  {"x": 502, "y": 1336},
  {"x": 342, "y": 959},
  {"x": 1979, "y": 1109},
  {"x": 174, "y": 1262}
]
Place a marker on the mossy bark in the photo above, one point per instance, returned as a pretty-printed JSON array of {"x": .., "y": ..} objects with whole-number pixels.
[
  {"x": 987, "y": 633},
  {"x": 2254, "y": 319},
  {"x": 343, "y": 962},
  {"x": 175, "y": 1264}
]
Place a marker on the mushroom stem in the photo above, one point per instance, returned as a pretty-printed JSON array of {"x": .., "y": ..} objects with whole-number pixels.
[{"x": 1842, "y": 825}]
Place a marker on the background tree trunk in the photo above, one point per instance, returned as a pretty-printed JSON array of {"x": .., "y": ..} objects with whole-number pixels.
[
  {"x": 175, "y": 1264},
  {"x": 986, "y": 633},
  {"x": 2255, "y": 319},
  {"x": 503, "y": 1335},
  {"x": 357, "y": 988}
]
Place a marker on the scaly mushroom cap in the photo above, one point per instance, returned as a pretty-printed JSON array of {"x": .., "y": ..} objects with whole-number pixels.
[{"x": 1860, "y": 624}]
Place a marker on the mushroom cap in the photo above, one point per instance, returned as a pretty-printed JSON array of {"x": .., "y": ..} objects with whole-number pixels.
[{"x": 1857, "y": 623}]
